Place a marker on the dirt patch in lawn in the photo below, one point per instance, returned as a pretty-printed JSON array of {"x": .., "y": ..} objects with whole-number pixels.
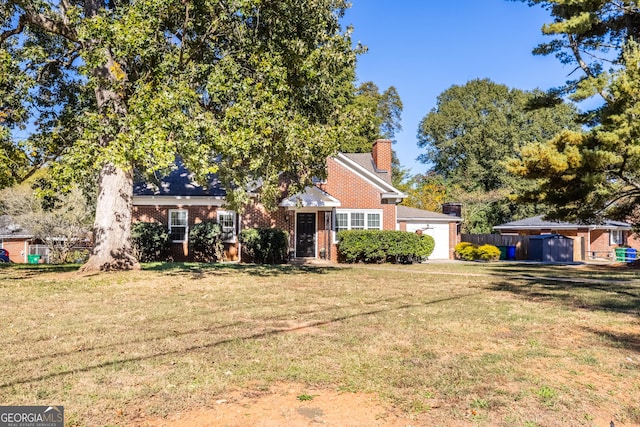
[
  {"x": 295, "y": 405},
  {"x": 285, "y": 404}
]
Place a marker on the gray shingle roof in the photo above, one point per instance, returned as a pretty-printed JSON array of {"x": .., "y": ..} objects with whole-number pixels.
[
  {"x": 10, "y": 230},
  {"x": 537, "y": 222},
  {"x": 366, "y": 161},
  {"x": 405, "y": 212},
  {"x": 180, "y": 182}
]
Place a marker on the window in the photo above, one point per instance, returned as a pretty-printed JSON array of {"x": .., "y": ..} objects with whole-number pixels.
[
  {"x": 616, "y": 237},
  {"x": 178, "y": 225},
  {"x": 342, "y": 221},
  {"x": 227, "y": 220},
  {"x": 373, "y": 221},
  {"x": 357, "y": 220}
]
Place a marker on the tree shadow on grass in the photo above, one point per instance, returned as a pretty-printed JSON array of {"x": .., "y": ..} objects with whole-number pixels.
[
  {"x": 613, "y": 296},
  {"x": 601, "y": 273},
  {"x": 610, "y": 297},
  {"x": 198, "y": 270},
  {"x": 189, "y": 348},
  {"x": 32, "y": 270},
  {"x": 628, "y": 341}
]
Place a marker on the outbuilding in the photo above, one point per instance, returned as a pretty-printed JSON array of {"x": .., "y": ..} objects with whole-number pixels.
[{"x": 551, "y": 248}]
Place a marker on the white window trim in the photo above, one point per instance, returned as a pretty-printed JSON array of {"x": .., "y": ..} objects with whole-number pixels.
[
  {"x": 186, "y": 231},
  {"x": 219, "y": 213},
  {"x": 616, "y": 233},
  {"x": 349, "y": 212}
]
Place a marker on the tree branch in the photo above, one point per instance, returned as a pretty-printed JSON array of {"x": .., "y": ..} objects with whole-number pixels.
[
  {"x": 56, "y": 27},
  {"x": 6, "y": 34},
  {"x": 575, "y": 48}
]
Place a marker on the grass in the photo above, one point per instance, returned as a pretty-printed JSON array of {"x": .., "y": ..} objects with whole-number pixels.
[{"x": 484, "y": 344}]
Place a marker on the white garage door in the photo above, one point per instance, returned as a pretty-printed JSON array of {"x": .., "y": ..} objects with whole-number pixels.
[{"x": 440, "y": 233}]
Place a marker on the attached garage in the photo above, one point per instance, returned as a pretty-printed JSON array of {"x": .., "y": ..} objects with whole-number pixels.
[{"x": 443, "y": 228}]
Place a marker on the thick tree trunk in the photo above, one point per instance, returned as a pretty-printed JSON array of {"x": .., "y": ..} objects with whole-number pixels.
[{"x": 112, "y": 227}]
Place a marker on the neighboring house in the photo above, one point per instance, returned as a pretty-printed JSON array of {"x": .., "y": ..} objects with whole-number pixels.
[
  {"x": 357, "y": 194},
  {"x": 14, "y": 239},
  {"x": 444, "y": 228},
  {"x": 21, "y": 243},
  {"x": 590, "y": 240}
]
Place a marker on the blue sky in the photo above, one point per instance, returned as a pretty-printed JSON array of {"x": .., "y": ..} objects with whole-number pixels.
[{"x": 422, "y": 47}]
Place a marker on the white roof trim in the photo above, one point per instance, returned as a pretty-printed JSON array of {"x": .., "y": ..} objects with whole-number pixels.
[
  {"x": 562, "y": 227},
  {"x": 178, "y": 200},
  {"x": 388, "y": 190},
  {"x": 432, "y": 219},
  {"x": 312, "y": 197}
]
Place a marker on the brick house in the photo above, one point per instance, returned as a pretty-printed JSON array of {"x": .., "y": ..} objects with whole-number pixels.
[
  {"x": 357, "y": 194},
  {"x": 590, "y": 240}
]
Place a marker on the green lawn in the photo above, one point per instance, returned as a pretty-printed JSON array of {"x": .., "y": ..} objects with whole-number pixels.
[{"x": 483, "y": 344}]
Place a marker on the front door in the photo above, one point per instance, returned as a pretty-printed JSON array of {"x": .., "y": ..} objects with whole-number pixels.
[{"x": 306, "y": 235}]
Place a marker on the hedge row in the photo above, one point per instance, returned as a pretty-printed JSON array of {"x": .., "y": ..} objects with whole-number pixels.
[{"x": 377, "y": 246}]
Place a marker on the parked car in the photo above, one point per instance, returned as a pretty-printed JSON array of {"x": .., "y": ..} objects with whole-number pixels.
[{"x": 4, "y": 255}]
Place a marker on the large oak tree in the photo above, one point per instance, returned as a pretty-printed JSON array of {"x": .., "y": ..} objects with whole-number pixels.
[
  {"x": 470, "y": 134},
  {"x": 250, "y": 89}
]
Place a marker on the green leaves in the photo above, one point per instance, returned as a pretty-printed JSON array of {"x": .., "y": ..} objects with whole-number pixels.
[
  {"x": 475, "y": 127},
  {"x": 593, "y": 174},
  {"x": 376, "y": 246},
  {"x": 590, "y": 35}
]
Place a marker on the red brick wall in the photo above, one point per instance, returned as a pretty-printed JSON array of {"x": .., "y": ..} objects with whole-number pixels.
[
  {"x": 355, "y": 192},
  {"x": 17, "y": 248},
  {"x": 633, "y": 240},
  {"x": 196, "y": 215},
  {"x": 600, "y": 241},
  {"x": 256, "y": 215},
  {"x": 454, "y": 238}
]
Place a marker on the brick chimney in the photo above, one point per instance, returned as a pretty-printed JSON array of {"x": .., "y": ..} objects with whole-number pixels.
[{"x": 382, "y": 154}]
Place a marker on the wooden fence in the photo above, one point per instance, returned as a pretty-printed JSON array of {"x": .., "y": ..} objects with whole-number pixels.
[{"x": 520, "y": 242}]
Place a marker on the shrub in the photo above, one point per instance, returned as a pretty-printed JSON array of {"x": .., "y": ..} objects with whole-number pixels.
[
  {"x": 205, "y": 242},
  {"x": 150, "y": 241},
  {"x": 265, "y": 245},
  {"x": 427, "y": 245},
  {"x": 465, "y": 251},
  {"x": 488, "y": 253},
  {"x": 78, "y": 256},
  {"x": 469, "y": 252},
  {"x": 375, "y": 246}
]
